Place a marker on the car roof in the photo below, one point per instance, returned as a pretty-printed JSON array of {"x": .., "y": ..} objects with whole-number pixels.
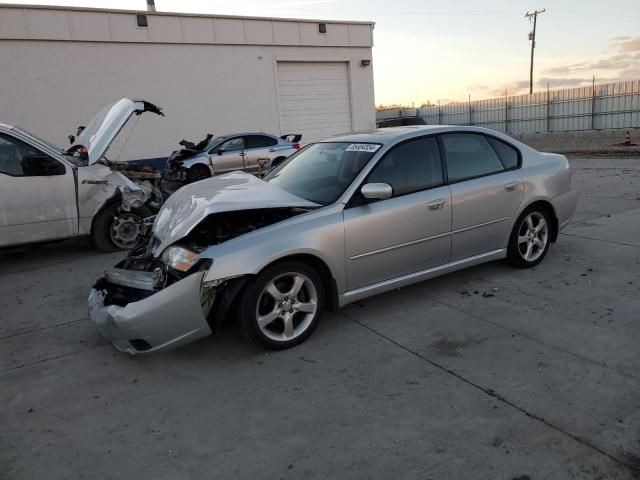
[
  {"x": 245, "y": 133},
  {"x": 394, "y": 134}
]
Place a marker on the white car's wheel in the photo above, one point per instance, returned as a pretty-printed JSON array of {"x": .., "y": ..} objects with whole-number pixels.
[
  {"x": 283, "y": 305},
  {"x": 114, "y": 231}
]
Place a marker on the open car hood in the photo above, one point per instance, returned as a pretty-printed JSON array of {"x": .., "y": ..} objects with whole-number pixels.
[
  {"x": 105, "y": 126},
  {"x": 191, "y": 204}
]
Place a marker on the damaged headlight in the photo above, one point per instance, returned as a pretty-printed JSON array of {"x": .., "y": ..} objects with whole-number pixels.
[
  {"x": 132, "y": 198},
  {"x": 179, "y": 258}
]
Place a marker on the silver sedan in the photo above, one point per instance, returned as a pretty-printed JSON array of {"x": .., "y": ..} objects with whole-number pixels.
[
  {"x": 251, "y": 152},
  {"x": 341, "y": 220}
]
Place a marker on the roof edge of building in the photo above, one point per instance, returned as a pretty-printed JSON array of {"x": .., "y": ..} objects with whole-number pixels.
[{"x": 180, "y": 14}]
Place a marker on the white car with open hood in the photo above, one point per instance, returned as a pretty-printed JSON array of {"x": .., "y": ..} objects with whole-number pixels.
[{"x": 48, "y": 194}]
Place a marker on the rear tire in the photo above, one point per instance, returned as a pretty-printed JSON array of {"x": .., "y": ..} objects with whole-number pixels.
[
  {"x": 530, "y": 238},
  {"x": 282, "y": 306},
  {"x": 113, "y": 231}
]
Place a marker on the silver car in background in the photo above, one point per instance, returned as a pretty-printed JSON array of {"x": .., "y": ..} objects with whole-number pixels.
[
  {"x": 249, "y": 152},
  {"x": 339, "y": 221}
]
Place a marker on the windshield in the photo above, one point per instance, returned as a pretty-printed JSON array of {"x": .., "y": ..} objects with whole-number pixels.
[
  {"x": 215, "y": 142},
  {"x": 39, "y": 140},
  {"x": 322, "y": 172},
  {"x": 51, "y": 146}
]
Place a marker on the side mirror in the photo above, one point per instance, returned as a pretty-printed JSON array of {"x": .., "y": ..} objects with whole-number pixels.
[
  {"x": 376, "y": 191},
  {"x": 220, "y": 151}
]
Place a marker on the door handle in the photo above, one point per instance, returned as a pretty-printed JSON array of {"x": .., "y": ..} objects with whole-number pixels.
[
  {"x": 510, "y": 187},
  {"x": 436, "y": 204},
  {"x": 272, "y": 150},
  {"x": 242, "y": 154}
]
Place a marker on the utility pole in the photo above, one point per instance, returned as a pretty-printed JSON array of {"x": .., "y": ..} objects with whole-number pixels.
[{"x": 532, "y": 37}]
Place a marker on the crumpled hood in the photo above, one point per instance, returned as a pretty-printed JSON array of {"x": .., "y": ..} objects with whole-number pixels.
[
  {"x": 191, "y": 204},
  {"x": 106, "y": 125}
]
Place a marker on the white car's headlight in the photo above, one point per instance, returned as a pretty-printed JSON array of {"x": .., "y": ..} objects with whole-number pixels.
[{"x": 179, "y": 258}]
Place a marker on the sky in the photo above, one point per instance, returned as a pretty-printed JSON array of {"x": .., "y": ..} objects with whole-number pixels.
[{"x": 441, "y": 51}]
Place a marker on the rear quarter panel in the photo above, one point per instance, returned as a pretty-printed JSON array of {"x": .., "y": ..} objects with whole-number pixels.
[{"x": 547, "y": 177}]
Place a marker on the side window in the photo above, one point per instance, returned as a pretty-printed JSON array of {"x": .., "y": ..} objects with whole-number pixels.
[
  {"x": 506, "y": 152},
  {"x": 259, "y": 141},
  {"x": 469, "y": 155},
  {"x": 232, "y": 145},
  {"x": 410, "y": 167},
  {"x": 19, "y": 159}
]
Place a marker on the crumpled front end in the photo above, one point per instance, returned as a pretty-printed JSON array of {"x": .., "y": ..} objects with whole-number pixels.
[{"x": 133, "y": 311}]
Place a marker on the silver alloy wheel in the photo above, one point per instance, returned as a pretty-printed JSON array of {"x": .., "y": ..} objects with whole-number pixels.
[
  {"x": 125, "y": 230},
  {"x": 533, "y": 236},
  {"x": 286, "y": 306}
]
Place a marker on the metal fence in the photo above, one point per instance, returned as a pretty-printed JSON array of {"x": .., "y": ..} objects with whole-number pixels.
[{"x": 601, "y": 106}]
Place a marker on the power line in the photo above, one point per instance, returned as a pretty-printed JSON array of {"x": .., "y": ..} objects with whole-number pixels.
[{"x": 532, "y": 37}]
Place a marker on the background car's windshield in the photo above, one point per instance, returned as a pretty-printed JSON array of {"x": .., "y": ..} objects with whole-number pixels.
[
  {"x": 215, "y": 142},
  {"x": 322, "y": 172}
]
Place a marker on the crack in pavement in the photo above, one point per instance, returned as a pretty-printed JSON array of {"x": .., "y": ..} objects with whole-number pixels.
[
  {"x": 56, "y": 357},
  {"x": 70, "y": 322},
  {"x": 534, "y": 339},
  {"x": 600, "y": 239},
  {"x": 492, "y": 393}
]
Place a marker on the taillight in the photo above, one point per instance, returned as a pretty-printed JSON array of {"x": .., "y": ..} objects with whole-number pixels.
[{"x": 296, "y": 146}]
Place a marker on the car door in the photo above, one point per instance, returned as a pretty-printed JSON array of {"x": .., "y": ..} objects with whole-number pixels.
[
  {"x": 408, "y": 232},
  {"x": 259, "y": 151},
  {"x": 37, "y": 195},
  {"x": 486, "y": 191},
  {"x": 228, "y": 156}
]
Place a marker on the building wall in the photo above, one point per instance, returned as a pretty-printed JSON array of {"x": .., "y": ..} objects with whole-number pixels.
[{"x": 217, "y": 75}]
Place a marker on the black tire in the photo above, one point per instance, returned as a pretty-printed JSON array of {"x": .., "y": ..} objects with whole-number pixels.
[
  {"x": 521, "y": 229},
  {"x": 198, "y": 172},
  {"x": 254, "y": 300},
  {"x": 103, "y": 222}
]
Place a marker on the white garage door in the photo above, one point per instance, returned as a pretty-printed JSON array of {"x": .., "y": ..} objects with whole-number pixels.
[{"x": 314, "y": 99}]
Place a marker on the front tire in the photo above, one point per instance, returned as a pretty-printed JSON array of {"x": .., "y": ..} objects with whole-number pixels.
[
  {"x": 198, "y": 172},
  {"x": 283, "y": 305},
  {"x": 530, "y": 238},
  {"x": 113, "y": 230}
]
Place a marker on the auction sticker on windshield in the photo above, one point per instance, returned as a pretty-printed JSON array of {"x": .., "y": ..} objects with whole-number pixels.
[{"x": 363, "y": 147}]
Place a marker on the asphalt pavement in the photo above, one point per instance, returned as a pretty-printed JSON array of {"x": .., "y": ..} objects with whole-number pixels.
[{"x": 489, "y": 373}]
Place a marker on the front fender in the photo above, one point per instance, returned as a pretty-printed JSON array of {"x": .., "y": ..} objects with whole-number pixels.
[
  {"x": 321, "y": 236},
  {"x": 97, "y": 186}
]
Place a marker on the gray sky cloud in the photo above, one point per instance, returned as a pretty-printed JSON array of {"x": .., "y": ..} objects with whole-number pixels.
[{"x": 622, "y": 57}]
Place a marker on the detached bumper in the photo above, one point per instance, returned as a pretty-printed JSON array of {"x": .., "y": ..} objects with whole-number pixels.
[{"x": 165, "y": 320}]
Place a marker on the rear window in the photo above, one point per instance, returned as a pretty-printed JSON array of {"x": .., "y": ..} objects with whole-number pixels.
[
  {"x": 259, "y": 141},
  {"x": 469, "y": 156},
  {"x": 507, "y": 153}
]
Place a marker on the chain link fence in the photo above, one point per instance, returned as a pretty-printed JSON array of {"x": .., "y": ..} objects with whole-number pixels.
[{"x": 598, "y": 107}]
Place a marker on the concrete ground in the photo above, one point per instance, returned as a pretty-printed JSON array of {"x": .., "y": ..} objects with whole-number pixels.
[{"x": 491, "y": 373}]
